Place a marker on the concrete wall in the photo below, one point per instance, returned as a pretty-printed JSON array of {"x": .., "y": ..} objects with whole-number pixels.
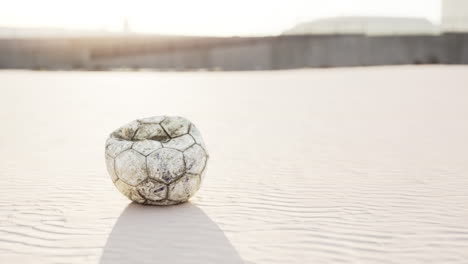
[{"x": 263, "y": 53}]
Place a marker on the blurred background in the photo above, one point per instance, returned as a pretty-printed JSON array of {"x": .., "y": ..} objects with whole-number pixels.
[{"x": 230, "y": 35}]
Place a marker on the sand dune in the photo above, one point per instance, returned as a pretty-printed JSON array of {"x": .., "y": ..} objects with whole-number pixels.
[{"x": 364, "y": 165}]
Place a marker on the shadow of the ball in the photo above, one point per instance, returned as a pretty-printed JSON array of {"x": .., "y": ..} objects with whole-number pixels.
[{"x": 171, "y": 234}]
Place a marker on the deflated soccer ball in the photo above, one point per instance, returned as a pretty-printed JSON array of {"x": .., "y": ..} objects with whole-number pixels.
[{"x": 158, "y": 160}]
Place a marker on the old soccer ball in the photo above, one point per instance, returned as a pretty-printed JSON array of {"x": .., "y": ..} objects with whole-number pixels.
[{"x": 158, "y": 160}]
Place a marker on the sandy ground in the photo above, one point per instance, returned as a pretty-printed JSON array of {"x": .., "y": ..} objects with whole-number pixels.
[{"x": 364, "y": 165}]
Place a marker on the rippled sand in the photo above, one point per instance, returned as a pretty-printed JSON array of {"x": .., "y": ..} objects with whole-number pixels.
[{"x": 357, "y": 165}]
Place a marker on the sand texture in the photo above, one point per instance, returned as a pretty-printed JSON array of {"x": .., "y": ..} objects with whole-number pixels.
[{"x": 364, "y": 165}]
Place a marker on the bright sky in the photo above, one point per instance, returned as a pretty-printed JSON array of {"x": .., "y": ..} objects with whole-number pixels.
[{"x": 200, "y": 17}]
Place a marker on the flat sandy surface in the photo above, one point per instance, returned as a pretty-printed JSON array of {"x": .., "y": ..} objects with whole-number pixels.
[{"x": 364, "y": 165}]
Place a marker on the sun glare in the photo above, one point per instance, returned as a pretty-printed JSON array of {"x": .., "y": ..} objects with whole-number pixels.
[{"x": 204, "y": 17}]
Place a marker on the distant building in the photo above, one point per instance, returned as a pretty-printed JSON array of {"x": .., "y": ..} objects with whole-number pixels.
[
  {"x": 126, "y": 26},
  {"x": 455, "y": 16},
  {"x": 366, "y": 25}
]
